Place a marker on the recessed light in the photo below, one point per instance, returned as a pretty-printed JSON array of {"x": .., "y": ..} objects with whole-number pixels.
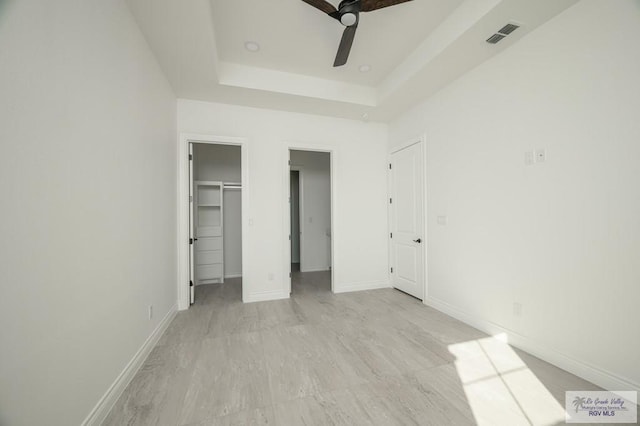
[
  {"x": 252, "y": 46},
  {"x": 365, "y": 68}
]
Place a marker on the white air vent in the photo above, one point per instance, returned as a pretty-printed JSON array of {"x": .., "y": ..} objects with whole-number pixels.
[{"x": 502, "y": 33}]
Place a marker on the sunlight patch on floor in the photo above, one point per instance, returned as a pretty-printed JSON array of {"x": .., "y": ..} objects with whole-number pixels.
[{"x": 500, "y": 388}]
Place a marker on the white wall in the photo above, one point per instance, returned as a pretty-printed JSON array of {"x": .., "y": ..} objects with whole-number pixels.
[
  {"x": 217, "y": 162},
  {"x": 561, "y": 237},
  {"x": 88, "y": 184},
  {"x": 222, "y": 163},
  {"x": 316, "y": 208},
  {"x": 360, "y": 227}
]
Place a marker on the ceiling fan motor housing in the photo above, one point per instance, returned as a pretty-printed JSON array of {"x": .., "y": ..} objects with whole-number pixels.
[
  {"x": 348, "y": 13},
  {"x": 349, "y": 10}
]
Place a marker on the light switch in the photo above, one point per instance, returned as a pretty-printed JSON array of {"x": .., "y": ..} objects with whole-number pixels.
[
  {"x": 517, "y": 309},
  {"x": 442, "y": 220},
  {"x": 541, "y": 155}
]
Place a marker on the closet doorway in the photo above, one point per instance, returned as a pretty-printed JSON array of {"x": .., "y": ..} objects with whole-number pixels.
[
  {"x": 310, "y": 221},
  {"x": 295, "y": 187},
  {"x": 215, "y": 221}
]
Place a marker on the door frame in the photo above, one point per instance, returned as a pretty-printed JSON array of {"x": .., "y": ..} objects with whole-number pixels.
[
  {"x": 413, "y": 141},
  {"x": 298, "y": 146},
  {"x": 183, "y": 208},
  {"x": 300, "y": 171}
]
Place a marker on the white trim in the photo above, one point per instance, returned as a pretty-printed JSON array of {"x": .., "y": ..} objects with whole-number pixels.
[
  {"x": 263, "y": 296},
  {"x": 192, "y": 229},
  {"x": 233, "y": 276},
  {"x": 360, "y": 286},
  {"x": 316, "y": 270},
  {"x": 108, "y": 400},
  {"x": 596, "y": 375},
  {"x": 389, "y": 219},
  {"x": 411, "y": 141},
  {"x": 333, "y": 158},
  {"x": 183, "y": 208},
  {"x": 425, "y": 214}
]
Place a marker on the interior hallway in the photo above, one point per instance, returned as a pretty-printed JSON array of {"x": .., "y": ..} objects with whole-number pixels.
[{"x": 372, "y": 357}]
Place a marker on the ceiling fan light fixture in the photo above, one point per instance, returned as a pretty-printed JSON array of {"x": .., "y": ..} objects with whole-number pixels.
[
  {"x": 348, "y": 19},
  {"x": 347, "y": 13},
  {"x": 252, "y": 46}
]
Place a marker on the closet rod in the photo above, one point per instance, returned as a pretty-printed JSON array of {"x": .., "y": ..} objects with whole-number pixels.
[{"x": 232, "y": 185}]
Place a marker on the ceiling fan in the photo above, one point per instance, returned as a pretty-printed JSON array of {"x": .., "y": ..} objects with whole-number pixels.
[{"x": 348, "y": 13}]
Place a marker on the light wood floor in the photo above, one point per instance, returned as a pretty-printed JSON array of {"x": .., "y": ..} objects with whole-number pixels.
[{"x": 375, "y": 357}]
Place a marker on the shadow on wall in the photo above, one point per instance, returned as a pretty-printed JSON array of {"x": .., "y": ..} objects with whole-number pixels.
[{"x": 3, "y": 8}]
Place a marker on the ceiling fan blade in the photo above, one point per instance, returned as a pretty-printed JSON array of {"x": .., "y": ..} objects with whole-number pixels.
[
  {"x": 345, "y": 45},
  {"x": 325, "y": 7},
  {"x": 370, "y": 5}
]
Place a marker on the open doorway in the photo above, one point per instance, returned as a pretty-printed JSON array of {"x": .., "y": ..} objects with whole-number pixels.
[
  {"x": 310, "y": 225},
  {"x": 215, "y": 222},
  {"x": 294, "y": 196}
]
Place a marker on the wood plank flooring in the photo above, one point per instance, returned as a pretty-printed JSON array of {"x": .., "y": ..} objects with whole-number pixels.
[{"x": 376, "y": 357}]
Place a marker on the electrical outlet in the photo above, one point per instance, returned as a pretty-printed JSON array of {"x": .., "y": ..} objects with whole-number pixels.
[
  {"x": 517, "y": 309},
  {"x": 150, "y": 311},
  {"x": 528, "y": 158},
  {"x": 271, "y": 276}
]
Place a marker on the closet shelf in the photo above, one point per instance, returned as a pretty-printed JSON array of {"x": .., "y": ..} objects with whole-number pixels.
[{"x": 209, "y": 223}]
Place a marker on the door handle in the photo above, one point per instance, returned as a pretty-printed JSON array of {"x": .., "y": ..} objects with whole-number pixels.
[{"x": 417, "y": 241}]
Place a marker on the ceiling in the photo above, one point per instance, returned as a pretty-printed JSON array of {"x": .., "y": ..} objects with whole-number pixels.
[
  {"x": 413, "y": 50},
  {"x": 298, "y": 38}
]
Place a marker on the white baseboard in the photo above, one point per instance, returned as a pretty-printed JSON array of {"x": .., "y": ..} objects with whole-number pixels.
[
  {"x": 108, "y": 400},
  {"x": 315, "y": 270},
  {"x": 366, "y": 285},
  {"x": 592, "y": 373},
  {"x": 218, "y": 282},
  {"x": 233, "y": 276},
  {"x": 264, "y": 296}
]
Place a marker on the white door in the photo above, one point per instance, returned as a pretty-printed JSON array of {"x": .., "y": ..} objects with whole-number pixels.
[
  {"x": 192, "y": 235},
  {"x": 407, "y": 220}
]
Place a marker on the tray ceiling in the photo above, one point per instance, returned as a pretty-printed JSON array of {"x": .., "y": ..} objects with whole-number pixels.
[{"x": 413, "y": 49}]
